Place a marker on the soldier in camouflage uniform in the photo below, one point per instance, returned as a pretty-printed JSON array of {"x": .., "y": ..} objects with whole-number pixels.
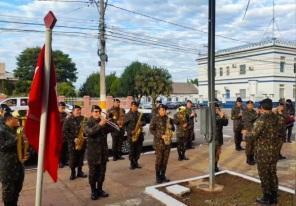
[
  {"x": 11, "y": 169},
  {"x": 131, "y": 120},
  {"x": 248, "y": 118},
  {"x": 266, "y": 134},
  {"x": 96, "y": 131},
  {"x": 158, "y": 127},
  {"x": 236, "y": 116},
  {"x": 192, "y": 115},
  {"x": 64, "y": 152},
  {"x": 283, "y": 116},
  {"x": 71, "y": 129},
  {"x": 221, "y": 121},
  {"x": 155, "y": 109},
  {"x": 290, "y": 110},
  {"x": 181, "y": 119},
  {"x": 117, "y": 115}
]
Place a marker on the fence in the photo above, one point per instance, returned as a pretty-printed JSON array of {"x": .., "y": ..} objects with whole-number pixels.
[{"x": 87, "y": 102}]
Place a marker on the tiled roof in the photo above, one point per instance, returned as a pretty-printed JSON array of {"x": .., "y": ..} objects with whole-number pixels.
[{"x": 184, "y": 88}]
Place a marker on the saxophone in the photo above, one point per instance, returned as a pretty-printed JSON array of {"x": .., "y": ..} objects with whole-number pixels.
[
  {"x": 22, "y": 142},
  {"x": 138, "y": 129},
  {"x": 80, "y": 137},
  {"x": 168, "y": 135}
]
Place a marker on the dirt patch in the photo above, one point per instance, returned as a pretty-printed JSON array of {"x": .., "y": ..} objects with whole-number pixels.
[{"x": 237, "y": 192}]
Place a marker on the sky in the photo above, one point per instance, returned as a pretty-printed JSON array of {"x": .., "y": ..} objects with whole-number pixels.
[{"x": 173, "y": 47}]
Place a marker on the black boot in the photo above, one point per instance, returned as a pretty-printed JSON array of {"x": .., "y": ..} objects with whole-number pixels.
[
  {"x": 137, "y": 165},
  {"x": 158, "y": 178},
  {"x": 94, "y": 192},
  {"x": 101, "y": 192},
  {"x": 216, "y": 167},
  {"x": 250, "y": 160},
  {"x": 273, "y": 198},
  {"x": 281, "y": 157},
  {"x": 263, "y": 200},
  {"x": 10, "y": 203},
  {"x": 132, "y": 166},
  {"x": 163, "y": 177},
  {"x": 73, "y": 174},
  {"x": 80, "y": 173}
]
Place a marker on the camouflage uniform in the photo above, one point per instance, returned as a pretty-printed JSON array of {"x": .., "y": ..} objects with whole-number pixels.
[
  {"x": 131, "y": 119},
  {"x": 237, "y": 126},
  {"x": 158, "y": 128},
  {"x": 283, "y": 117},
  {"x": 220, "y": 123},
  {"x": 11, "y": 169},
  {"x": 97, "y": 152},
  {"x": 265, "y": 132},
  {"x": 248, "y": 119},
  {"x": 71, "y": 129},
  {"x": 191, "y": 136},
  {"x": 181, "y": 133},
  {"x": 117, "y": 114},
  {"x": 64, "y": 152}
]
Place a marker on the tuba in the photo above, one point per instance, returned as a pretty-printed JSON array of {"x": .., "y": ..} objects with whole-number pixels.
[
  {"x": 80, "y": 137},
  {"x": 138, "y": 129},
  {"x": 22, "y": 141},
  {"x": 168, "y": 135}
]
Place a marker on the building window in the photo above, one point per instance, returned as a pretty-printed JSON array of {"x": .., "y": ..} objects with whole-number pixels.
[
  {"x": 243, "y": 93},
  {"x": 233, "y": 65},
  {"x": 251, "y": 68},
  {"x": 282, "y": 91},
  {"x": 242, "y": 69},
  {"x": 294, "y": 91},
  {"x": 221, "y": 71},
  {"x": 294, "y": 65},
  {"x": 227, "y": 71},
  {"x": 216, "y": 93},
  {"x": 282, "y": 64},
  {"x": 227, "y": 94}
]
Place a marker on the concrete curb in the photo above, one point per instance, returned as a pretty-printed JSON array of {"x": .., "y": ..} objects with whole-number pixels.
[{"x": 170, "y": 201}]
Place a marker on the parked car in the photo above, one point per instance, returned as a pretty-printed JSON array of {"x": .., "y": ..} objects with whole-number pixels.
[
  {"x": 145, "y": 106},
  {"x": 172, "y": 105}
]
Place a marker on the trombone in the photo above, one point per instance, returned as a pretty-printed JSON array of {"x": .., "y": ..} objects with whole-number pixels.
[{"x": 110, "y": 123}]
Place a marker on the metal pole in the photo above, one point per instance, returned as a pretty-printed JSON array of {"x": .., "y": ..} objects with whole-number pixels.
[
  {"x": 211, "y": 91},
  {"x": 103, "y": 56},
  {"x": 43, "y": 119}
]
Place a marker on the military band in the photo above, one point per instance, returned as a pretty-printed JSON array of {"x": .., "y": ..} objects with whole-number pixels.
[{"x": 264, "y": 132}]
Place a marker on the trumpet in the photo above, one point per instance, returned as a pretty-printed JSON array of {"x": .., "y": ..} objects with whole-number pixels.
[{"x": 109, "y": 122}]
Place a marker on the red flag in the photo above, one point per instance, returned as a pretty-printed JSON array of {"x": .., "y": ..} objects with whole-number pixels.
[{"x": 53, "y": 128}]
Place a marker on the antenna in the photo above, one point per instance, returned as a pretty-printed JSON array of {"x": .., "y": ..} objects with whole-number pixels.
[{"x": 273, "y": 21}]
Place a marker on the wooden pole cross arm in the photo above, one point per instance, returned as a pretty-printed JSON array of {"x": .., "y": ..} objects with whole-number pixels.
[{"x": 50, "y": 20}]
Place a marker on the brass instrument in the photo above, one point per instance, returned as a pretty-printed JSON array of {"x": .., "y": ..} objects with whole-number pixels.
[
  {"x": 138, "y": 129},
  {"x": 110, "y": 123},
  {"x": 22, "y": 142},
  {"x": 80, "y": 137},
  {"x": 168, "y": 135},
  {"x": 182, "y": 116}
]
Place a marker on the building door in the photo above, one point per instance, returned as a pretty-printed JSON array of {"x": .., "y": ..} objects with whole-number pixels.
[{"x": 227, "y": 94}]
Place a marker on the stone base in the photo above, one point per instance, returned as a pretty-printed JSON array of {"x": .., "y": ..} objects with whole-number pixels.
[{"x": 204, "y": 186}]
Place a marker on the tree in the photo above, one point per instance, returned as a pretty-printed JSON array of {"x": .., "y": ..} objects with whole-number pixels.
[
  {"x": 91, "y": 86},
  {"x": 26, "y": 62},
  {"x": 193, "y": 81},
  {"x": 153, "y": 82},
  {"x": 66, "y": 89},
  {"x": 127, "y": 79}
]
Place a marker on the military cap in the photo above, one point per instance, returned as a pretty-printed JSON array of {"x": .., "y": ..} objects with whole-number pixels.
[
  {"x": 250, "y": 102},
  {"x": 289, "y": 101},
  {"x": 217, "y": 105},
  {"x": 158, "y": 102},
  {"x": 62, "y": 104},
  {"x": 135, "y": 103},
  {"x": 96, "y": 107},
  {"x": 188, "y": 100},
  {"x": 5, "y": 108},
  {"x": 239, "y": 99},
  {"x": 76, "y": 107},
  {"x": 162, "y": 106},
  {"x": 116, "y": 100},
  {"x": 266, "y": 104}
]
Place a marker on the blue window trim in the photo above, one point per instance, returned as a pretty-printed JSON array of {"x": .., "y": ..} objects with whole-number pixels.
[{"x": 256, "y": 78}]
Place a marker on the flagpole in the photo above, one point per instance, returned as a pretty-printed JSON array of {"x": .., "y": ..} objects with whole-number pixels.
[{"x": 49, "y": 21}]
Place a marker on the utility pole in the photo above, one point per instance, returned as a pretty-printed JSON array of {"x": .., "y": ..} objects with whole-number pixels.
[
  {"x": 101, "y": 6},
  {"x": 211, "y": 91},
  {"x": 273, "y": 21}
]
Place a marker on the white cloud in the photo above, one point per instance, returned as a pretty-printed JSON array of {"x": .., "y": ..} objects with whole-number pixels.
[{"x": 121, "y": 53}]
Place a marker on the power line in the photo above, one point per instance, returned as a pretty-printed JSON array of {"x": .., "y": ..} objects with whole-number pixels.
[
  {"x": 172, "y": 23},
  {"x": 67, "y": 1}
]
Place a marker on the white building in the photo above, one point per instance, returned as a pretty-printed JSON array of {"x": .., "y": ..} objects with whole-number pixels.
[{"x": 255, "y": 71}]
